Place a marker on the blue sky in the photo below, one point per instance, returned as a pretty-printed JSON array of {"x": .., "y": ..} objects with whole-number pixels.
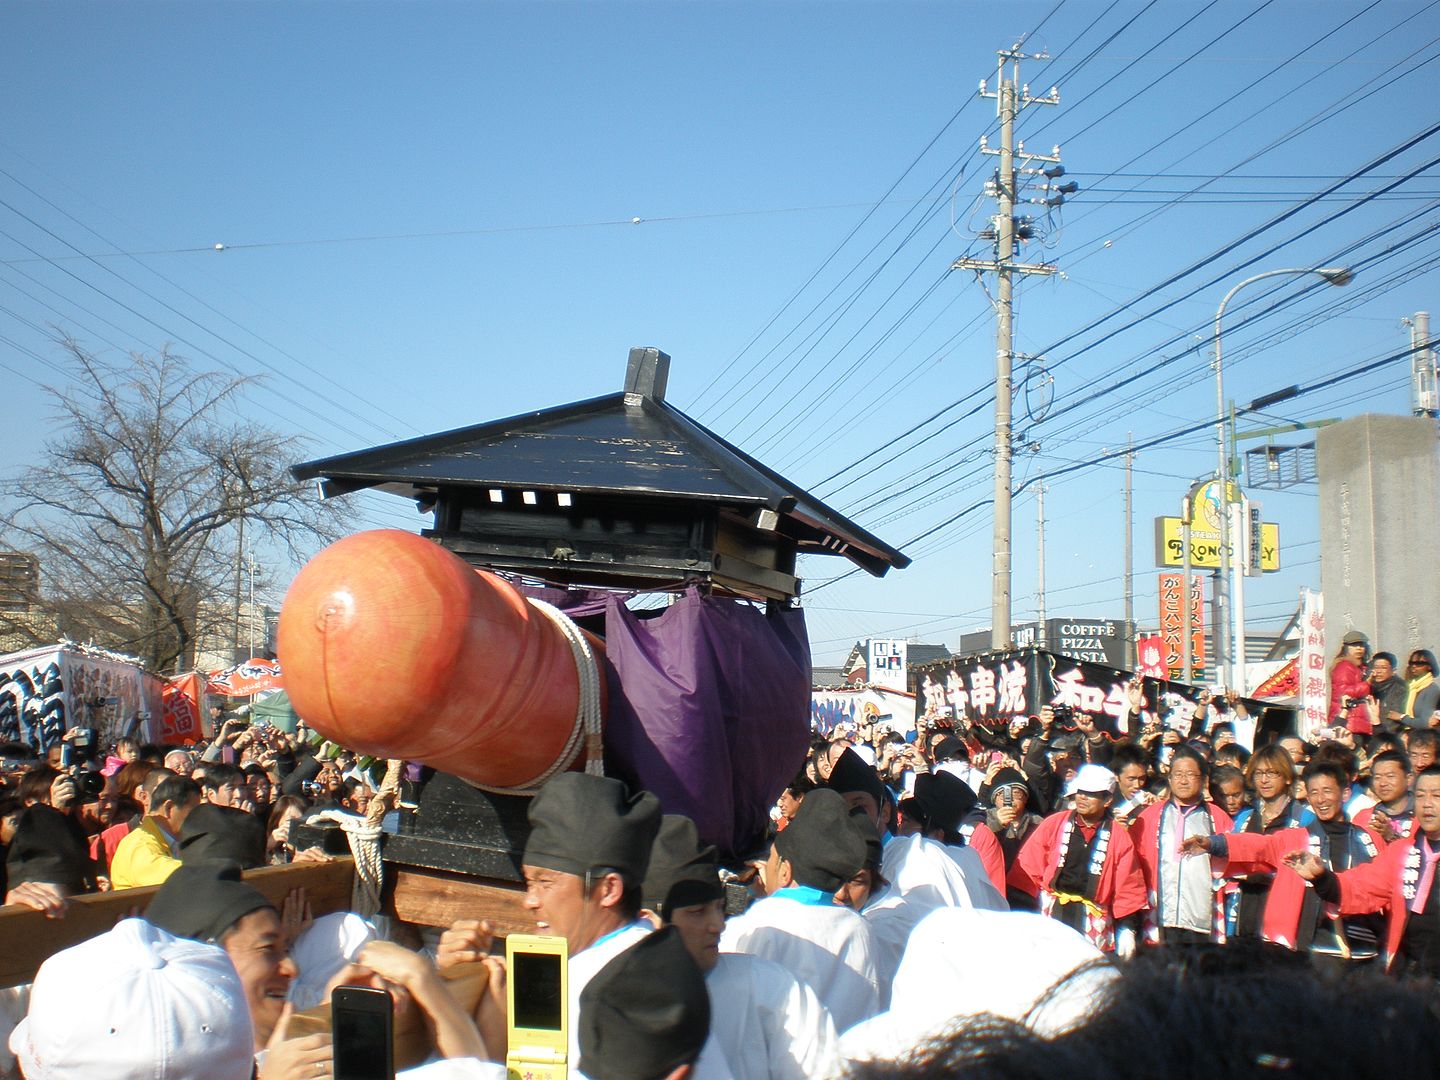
[{"x": 427, "y": 218}]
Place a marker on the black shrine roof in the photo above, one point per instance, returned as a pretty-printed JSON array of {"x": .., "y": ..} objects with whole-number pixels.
[{"x": 631, "y": 445}]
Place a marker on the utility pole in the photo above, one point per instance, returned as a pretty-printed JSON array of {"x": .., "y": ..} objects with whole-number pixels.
[
  {"x": 1129, "y": 556},
  {"x": 239, "y": 572},
  {"x": 1040, "y": 561},
  {"x": 1425, "y": 394},
  {"x": 250, "y": 616},
  {"x": 1011, "y": 96}
]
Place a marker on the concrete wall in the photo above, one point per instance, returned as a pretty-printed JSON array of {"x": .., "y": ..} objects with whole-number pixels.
[{"x": 1380, "y": 531}]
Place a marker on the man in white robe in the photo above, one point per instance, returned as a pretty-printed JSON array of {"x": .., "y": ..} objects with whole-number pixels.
[
  {"x": 584, "y": 861},
  {"x": 799, "y": 926},
  {"x": 766, "y": 1022},
  {"x": 923, "y": 875}
]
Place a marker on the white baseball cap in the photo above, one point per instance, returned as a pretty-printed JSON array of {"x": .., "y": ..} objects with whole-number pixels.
[
  {"x": 136, "y": 1003},
  {"x": 1093, "y": 780}
]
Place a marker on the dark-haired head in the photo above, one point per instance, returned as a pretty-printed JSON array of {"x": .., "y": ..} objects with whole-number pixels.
[{"x": 1231, "y": 1011}]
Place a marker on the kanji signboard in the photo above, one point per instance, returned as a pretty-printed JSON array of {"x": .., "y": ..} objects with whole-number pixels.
[{"x": 1172, "y": 620}]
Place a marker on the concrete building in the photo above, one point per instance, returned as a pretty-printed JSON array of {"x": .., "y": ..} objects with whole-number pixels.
[{"x": 1380, "y": 531}]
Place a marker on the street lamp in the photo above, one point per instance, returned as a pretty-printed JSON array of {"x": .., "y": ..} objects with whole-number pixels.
[{"x": 1235, "y": 680}]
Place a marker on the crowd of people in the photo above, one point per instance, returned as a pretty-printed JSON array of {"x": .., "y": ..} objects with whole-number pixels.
[
  {"x": 961, "y": 899},
  {"x": 87, "y": 818}
]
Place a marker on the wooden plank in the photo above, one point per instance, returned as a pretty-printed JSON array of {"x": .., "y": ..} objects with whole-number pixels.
[
  {"x": 27, "y": 937},
  {"x": 439, "y": 898}
]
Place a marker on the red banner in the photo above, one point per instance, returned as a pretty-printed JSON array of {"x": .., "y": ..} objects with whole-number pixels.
[
  {"x": 1172, "y": 617},
  {"x": 1284, "y": 683},
  {"x": 1150, "y": 658},
  {"x": 248, "y": 679},
  {"x": 180, "y": 711}
]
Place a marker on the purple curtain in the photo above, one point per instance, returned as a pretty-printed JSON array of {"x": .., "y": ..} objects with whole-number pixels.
[{"x": 709, "y": 709}]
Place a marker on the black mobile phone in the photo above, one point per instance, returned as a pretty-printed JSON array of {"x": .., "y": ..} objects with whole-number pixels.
[
  {"x": 362, "y": 1020},
  {"x": 68, "y": 756},
  {"x": 538, "y": 1001}
]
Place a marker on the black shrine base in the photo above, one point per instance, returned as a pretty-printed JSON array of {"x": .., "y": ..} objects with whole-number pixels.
[
  {"x": 461, "y": 828},
  {"x": 458, "y": 829},
  {"x": 455, "y": 828}
]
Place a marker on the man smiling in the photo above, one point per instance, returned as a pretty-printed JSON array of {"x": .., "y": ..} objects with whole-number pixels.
[
  {"x": 584, "y": 861},
  {"x": 1399, "y": 883},
  {"x": 208, "y": 901},
  {"x": 1293, "y": 915}
]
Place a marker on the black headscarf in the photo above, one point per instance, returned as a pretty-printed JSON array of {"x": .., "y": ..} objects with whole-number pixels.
[
  {"x": 823, "y": 849},
  {"x": 645, "y": 1014},
  {"x": 49, "y": 846},
  {"x": 215, "y": 832},
  {"x": 851, "y": 773},
  {"x": 579, "y": 823},
  {"x": 203, "y": 900},
  {"x": 681, "y": 873}
]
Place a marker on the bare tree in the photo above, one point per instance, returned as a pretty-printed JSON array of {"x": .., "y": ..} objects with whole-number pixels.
[{"x": 134, "y": 511}]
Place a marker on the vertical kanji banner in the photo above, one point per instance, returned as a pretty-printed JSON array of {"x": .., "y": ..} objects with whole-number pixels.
[
  {"x": 1314, "y": 688},
  {"x": 1172, "y": 623},
  {"x": 180, "y": 708}
]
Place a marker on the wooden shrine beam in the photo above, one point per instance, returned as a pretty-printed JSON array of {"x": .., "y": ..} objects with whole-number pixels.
[{"x": 28, "y": 938}]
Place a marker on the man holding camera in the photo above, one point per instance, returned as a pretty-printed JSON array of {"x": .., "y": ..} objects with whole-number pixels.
[{"x": 1067, "y": 740}]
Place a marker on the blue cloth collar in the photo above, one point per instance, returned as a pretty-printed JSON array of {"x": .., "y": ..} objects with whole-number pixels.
[
  {"x": 805, "y": 894},
  {"x": 617, "y": 932}
]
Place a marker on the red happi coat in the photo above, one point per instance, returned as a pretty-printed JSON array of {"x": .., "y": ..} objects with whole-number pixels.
[
  {"x": 992, "y": 855},
  {"x": 1380, "y": 886},
  {"x": 1146, "y": 835},
  {"x": 1405, "y": 829},
  {"x": 1261, "y": 853},
  {"x": 1121, "y": 888}
]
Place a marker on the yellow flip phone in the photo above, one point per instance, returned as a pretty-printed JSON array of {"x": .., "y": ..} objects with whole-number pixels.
[{"x": 537, "y": 992}]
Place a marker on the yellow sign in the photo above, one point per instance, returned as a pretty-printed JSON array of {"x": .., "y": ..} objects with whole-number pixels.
[
  {"x": 1205, "y": 507},
  {"x": 1205, "y": 546}
]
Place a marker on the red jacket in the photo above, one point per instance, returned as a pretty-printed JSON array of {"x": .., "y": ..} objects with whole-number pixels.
[
  {"x": 1146, "y": 835},
  {"x": 1347, "y": 680},
  {"x": 1379, "y": 887},
  {"x": 1122, "y": 886},
  {"x": 992, "y": 855},
  {"x": 1261, "y": 853},
  {"x": 1403, "y": 828}
]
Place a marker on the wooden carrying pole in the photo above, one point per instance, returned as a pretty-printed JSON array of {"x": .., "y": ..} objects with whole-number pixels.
[{"x": 27, "y": 937}]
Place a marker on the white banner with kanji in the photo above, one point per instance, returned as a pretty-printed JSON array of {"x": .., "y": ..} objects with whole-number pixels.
[{"x": 1314, "y": 687}]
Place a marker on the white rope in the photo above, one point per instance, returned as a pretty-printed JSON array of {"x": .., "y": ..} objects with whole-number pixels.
[
  {"x": 586, "y": 730},
  {"x": 364, "y": 840},
  {"x": 363, "y": 835}
]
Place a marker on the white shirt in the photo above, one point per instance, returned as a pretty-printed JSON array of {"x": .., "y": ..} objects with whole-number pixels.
[
  {"x": 586, "y": 964},
  {"x": 924, "y": 876},
  {"x": 961, "y": 963},
  {"x": 821, "y": 943},
  {"x": 769, "y": 1024}
]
